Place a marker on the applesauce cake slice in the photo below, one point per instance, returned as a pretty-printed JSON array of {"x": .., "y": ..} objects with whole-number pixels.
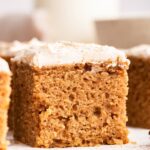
[
  {"x": 138, "y": 104},
  {"x": 70, "y": 94},
  {"x": 4, "y": 101}
]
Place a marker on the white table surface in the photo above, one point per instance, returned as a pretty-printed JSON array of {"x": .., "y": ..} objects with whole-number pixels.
[{"x": 139, "y": 140}]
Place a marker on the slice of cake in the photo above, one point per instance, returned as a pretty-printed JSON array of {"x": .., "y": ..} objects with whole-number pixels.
[
  {"x": 70, "y": 94},
  {"x": 4, "y": 101},
  {"x": 138, "y": 105}
]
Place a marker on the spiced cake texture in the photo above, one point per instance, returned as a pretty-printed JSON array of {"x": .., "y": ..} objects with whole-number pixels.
[
  {"x": 138, "y": 104},
  {"x": 4, "y": 101},
  {"x": 69, "y": 100}
]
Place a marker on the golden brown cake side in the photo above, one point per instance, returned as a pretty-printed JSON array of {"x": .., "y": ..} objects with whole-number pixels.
[
  {"x": 138, "y": 104},
  {"x": 4, "y": 103},
  {"x": 70, "y": 105}
]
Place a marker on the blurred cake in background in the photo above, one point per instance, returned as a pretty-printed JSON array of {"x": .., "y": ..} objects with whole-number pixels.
[
  {"x": 123, "y": 32},
  {"x": 138, "y": 104},
  {"x": 24, "y": 27}
]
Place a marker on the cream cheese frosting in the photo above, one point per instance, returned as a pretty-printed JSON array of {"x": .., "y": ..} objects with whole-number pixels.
[
  {"x": 43, "y": 54},
  {"x": 139, "y": 51},
  {"x": 4, "y": 66}
]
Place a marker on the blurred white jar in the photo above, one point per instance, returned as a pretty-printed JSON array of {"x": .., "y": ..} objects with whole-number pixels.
[{"x": 74, "y": 19}]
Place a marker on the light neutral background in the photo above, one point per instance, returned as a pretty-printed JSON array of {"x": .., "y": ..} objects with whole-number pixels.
[{"x": 74, "y": 19}]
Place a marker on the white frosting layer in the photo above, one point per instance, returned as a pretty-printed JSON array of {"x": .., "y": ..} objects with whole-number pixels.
[
  {"x": 139, "y": 51},
  {"x": 4, "y": 66},
  {"x": 40, "y": 54}
]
